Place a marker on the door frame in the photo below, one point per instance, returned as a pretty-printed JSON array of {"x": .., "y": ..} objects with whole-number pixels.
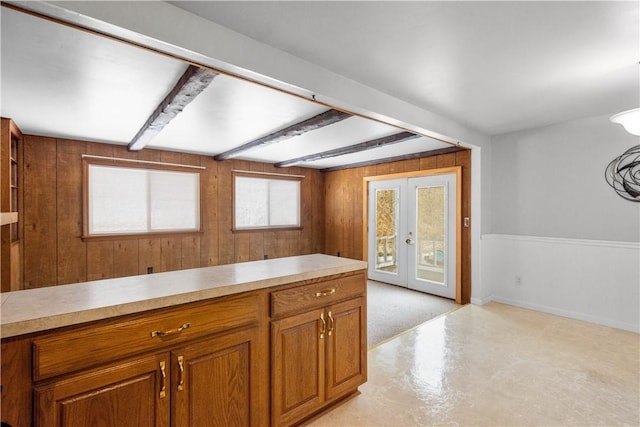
[{"x": 457, "y": 170}]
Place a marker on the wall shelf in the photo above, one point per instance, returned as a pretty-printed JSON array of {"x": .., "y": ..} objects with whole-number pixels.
[{"x": 8, "y": 218}]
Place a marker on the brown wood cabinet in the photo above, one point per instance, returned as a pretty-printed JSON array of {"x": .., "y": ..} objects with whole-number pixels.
[
  {"x": 319, "y": 355},
  {"x": 211, "y": 382},
  {"x": 205, "y": 363},
  {"x": 215, "y": 382},
  {"x": 130, "y": 393},
  {"x": 198, "y": 364}
]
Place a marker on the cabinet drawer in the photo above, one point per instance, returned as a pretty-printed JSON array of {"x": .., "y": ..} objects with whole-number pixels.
[
  {"x": 89, "y": 346},
  {"x": 316, "y": 294}
]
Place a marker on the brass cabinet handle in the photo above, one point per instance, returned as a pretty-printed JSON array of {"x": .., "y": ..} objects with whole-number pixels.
[
  {"x": 181, "y": 368},
  {"x": 326, "y": 292},
  {"x": 324, "y": 326},
  {"x": 171, "y": 331},
  {"x": 163, "y": 372},
  {"x": 330, "y": 324}
]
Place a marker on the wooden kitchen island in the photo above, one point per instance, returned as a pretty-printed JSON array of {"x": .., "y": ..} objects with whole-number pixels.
[{"x": 260, "y": 343}]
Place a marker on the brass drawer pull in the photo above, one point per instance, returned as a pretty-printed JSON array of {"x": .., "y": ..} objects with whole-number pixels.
[
  {"x": 330, "y": 324},
  {"x": 163, "y": 372},
  {"x": 181, "y": 367},
  {"x": 326, "y": 292},
  {"x": 171, "y": 331},
  {"x": 324, "y": 325}
]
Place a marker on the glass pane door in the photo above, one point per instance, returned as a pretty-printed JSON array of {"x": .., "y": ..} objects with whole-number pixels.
[
  {"x": 431, "y": 225},
  {"x": 412, "y": 233},
  {"x": 387, "y": 204},
  {"x": 386, "y": 252},
  {"x": 431, "y": 229}
]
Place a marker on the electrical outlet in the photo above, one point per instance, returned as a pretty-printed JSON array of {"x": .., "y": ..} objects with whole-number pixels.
[{"x": 518, "y": 280}]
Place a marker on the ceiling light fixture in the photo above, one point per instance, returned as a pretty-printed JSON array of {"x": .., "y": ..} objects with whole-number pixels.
[
  {"x": 630, "y": 120},
  {"x": 623, "y": 173}
]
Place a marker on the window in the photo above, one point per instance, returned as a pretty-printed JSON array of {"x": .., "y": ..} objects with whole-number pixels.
[
  {"x": 136, "y": 198},
  {"x": 265, "y": 201}
]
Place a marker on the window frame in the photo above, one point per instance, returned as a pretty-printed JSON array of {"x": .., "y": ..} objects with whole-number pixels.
[
  {"x": 270, "y": 176},
  {"x": 136, "y": 164}
]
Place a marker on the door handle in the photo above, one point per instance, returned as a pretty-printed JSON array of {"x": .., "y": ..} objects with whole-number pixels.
[{"x": 409, "y": 241}]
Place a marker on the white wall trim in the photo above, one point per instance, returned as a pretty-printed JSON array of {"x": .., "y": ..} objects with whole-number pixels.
[
  {"x": 481, "y": 301},
  {"x": 563, "y": 241},
  {"x": 591, "y": 280},
  {"x": 567, "y": 313}
]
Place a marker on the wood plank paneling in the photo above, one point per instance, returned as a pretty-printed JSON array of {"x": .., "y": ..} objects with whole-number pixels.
[
  {"x": 71, "y": 250},
  {"x": 412, "y": 165},
  {"x": 383, "y": 169},
  {"x": 242, "y": 244},
  {"x": 397, "y": 167},
  {"x": 226, "y": 243},
  {"x": 427, "y": 163},
  {"x": 100, "y": 260},
  {"x": 348, "y": 196},
  {"x": 125, "y": 257},
  {"x": 170, "y": 254},
  {"x": 356, "y": 209},
  {"x": 40, "y": 228},
  {"x": 318, "y": 197},
  {"x": 190, "y": 256},
  {"x": 56, "y": 254},
  {"x": 149, "y": 255},
  {"x": 445, "y": 160},
  {"x": 333, "y": 214},
  {"x": 209, "y": 220}
]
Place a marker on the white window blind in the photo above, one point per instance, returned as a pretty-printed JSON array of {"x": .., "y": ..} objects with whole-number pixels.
[
  {"x": 134, "y": 200},
  {"x": 264, "y": 202}
]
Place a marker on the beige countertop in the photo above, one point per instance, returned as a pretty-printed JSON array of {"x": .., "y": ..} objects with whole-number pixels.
[{"x": 33, "y": 310}]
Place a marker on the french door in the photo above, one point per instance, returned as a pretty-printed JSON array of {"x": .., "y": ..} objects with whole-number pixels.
[{"x": 412, "y": 233}]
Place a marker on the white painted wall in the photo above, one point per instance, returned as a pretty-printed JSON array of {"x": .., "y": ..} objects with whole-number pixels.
[
  {"x": 556, "y": 224},
  {"x": 592, "y": 280},
  {"x": 550, "y": 182}
]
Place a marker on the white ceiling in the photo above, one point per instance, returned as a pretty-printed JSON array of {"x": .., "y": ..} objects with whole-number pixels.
[
  {"x": 62, "y": 82},
  {"x": 493, "y": 66}
]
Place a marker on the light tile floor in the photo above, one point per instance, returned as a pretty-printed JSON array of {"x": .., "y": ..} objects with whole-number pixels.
[{"x": 499, "y": 365}]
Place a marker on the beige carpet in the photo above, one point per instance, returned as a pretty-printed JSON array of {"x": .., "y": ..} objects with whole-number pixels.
[{"x": 392, "y": 310}]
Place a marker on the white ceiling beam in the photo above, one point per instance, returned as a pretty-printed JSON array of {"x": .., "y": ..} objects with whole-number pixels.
[{"x": 189, "y": 86}]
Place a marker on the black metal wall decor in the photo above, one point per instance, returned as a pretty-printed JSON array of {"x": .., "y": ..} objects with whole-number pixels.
[{"x": 623, "y": 174}]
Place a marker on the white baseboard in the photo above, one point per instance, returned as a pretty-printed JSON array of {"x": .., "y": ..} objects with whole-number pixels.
[
  {"x": 481, "y": 301},
  {"x": 589, "y": 280},
  {"x": 566, "y": 313}
]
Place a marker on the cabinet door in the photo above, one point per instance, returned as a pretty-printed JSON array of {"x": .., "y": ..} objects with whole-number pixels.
[
  {"x": 215, "y": 381},
  {"x": 297, "y": 366},
  {"x": 132, "y": 393},
  {"x": 346, "y": 347}
]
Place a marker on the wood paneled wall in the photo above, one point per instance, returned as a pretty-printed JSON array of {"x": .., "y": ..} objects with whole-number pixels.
[
  {"x": 55, "y": 254},
  {"x": 343, "y": 195}
]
